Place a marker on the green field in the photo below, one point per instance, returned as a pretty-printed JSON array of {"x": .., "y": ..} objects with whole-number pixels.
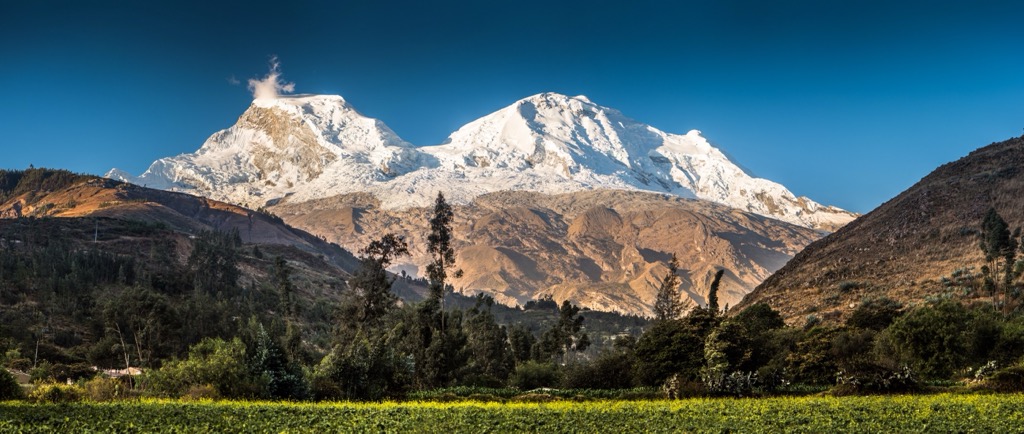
[{"x": 931, "y": 413}]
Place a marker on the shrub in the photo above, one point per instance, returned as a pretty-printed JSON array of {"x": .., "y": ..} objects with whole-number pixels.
[
  {"x": 484, "y": 397},
  {"x": 849, "y": 285},
  {"x": 9, "y": 387},
  {"x": 604, "y": 372},
  {"x": 941, "y": 339},
  {"x": 198, "y": 392},
  {"x": 872, "y": 378},
  {"x": 534, "y": 397},
  {"x": 1009, "y": 380},
  {"x": 875, "y": 313},
  {"x": 20, "y": 364},
  {"x": 55, "y": 393},
  {"x": 533, "y": 375},
  {"x": 101, "y": 389}
]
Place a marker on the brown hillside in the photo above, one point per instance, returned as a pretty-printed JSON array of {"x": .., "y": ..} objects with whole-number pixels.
[
  {"x": 605, "y": 250},
  {"x": 89, "y": 196},
  {"x": 905, "y": 247}
]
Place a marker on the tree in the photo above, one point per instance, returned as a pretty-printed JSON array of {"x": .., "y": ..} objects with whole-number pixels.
[
  {"x": 439, "y": 247},
  {"x": 667, "y": 303},
  {"x": 668, "y": 348},
  {"x": 440, "y": 350},
  {"x": 143, "y": 323},
  {"x": 997, "y": 244},
  {"x": 214, "y": 261},
  {"x": 491, "y": 360},
  {"x": 713, "y": 293},
  {"x": 759, "y": 321},
  {"x": 941, "y": 339},
  {"x": 285, "y": 289},
  {"x": 286, "y": 294},
  {"x": 362, "y": 370},
  {"x": 566, "y": 336},
  {"x": 371, "y": 284},
  {"x": 9, "y": 387},
  {"x": 269, "y": 365},
  {"x": 726, "y": 349},
  {"x": 521, "y": 341}
]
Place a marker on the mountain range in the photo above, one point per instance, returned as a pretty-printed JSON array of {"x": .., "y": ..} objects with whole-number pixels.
[
  {"x": 557, "y": 196},
  {"x": 305, "y": 147}
]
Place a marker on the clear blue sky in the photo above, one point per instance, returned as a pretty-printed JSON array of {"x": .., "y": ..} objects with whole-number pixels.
[{"x": 848, "y": 102}]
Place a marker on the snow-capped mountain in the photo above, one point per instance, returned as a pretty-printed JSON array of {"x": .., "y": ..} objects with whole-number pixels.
[
  {"x": 300, "y": 148},
  {"x": 281, "y": 146}
]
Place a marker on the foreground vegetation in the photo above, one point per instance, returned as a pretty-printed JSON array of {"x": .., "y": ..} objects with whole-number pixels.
[
  {"x": 207, "y": 316},
  {"x": 932, "y": 413}
]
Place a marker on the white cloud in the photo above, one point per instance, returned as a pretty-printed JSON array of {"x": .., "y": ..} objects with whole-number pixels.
[{"x": 271, "y": 85}]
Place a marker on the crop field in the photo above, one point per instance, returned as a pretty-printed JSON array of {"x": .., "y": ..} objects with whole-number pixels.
[{"x": 930, "y": 413}]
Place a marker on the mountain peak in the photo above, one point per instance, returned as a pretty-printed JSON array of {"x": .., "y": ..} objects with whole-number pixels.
[{"x": 313, "y": 146}]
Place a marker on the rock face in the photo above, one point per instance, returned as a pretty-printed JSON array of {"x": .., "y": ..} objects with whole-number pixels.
[
  {"x": 606, "y": 250},
  {"x": 308, "y": 147},
  {"x": 924, "y": 242}
]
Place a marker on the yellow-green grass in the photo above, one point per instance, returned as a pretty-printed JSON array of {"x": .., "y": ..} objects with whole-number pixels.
[{"x": 928, "y": 413}]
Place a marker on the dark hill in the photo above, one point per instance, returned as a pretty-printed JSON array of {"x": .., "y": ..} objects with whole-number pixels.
[{"x": 922, "y": 243}]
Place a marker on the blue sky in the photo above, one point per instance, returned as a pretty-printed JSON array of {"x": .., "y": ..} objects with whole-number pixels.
[{"x": 848, "y": 103}]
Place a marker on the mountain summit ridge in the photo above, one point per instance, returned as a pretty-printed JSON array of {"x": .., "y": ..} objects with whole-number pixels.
[{"x": 304, "y": 147}]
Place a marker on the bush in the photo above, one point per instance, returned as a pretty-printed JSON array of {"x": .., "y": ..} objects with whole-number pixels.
[
  {"x": 679, "y": 387},
  {"x": 941, "y": 339},
  {"x": 484, "y": 397},
  {"x": 199, "y": 392},
  {"x": 534, "y": 397},
  {"x": 212, "y": 362},
  {"x": 9, "y": 387},
  {"x": 875, "y": 314},
  {"x": 533, "y": 375},
  {"x": 872, "y": 378},
  {"x": 55, "y": 393},
  {"x": 604, "y": 372},
  {"x": 102, "y": 389},
  {"x": 1009, "y": 380},
  {"x": 22, "y": 364}
]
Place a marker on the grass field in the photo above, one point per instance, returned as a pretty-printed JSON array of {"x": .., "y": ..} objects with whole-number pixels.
[{"x": 929, "y": 413}]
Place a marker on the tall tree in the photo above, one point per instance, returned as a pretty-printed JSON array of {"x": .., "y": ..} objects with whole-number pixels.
[
  {"x": 1000, "y": 251},
  {"x": 713, "y": 292},
  {"x": 667, "y": 303},
  {"x": 286, "y": 292},
  {"x": 439, "y": 246},
  {"x": 440, "y": 352},
  {"x": 285, "y": 289}
]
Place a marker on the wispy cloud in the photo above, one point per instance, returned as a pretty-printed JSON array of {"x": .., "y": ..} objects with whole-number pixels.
[
  {"x": 271, "y": 85},
  {"x": 233, "y": 81}
]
